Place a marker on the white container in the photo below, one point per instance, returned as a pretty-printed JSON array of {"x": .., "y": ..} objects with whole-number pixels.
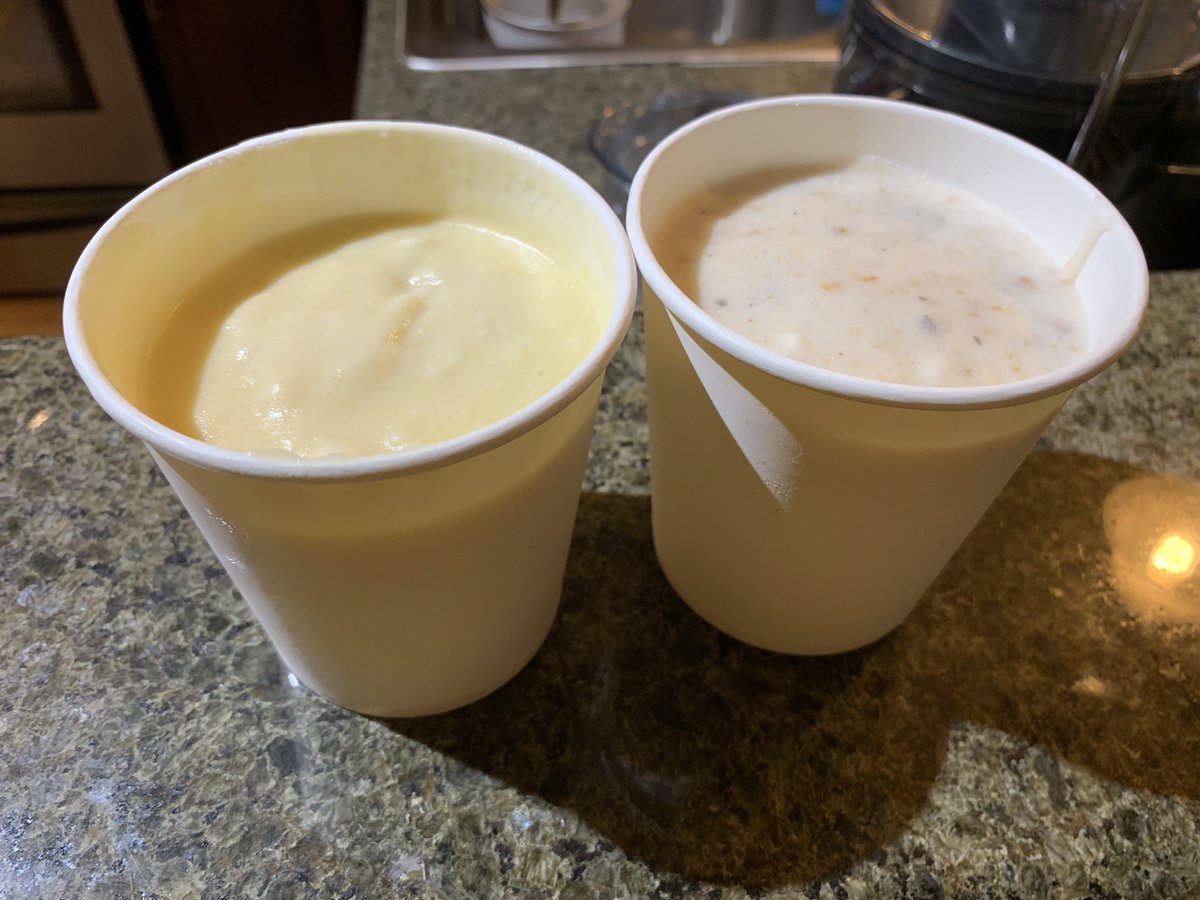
[
  {"x": 397, "y": 584},
  {"x": 806, "y": 511},
  {"x": 576, "y": 24}
]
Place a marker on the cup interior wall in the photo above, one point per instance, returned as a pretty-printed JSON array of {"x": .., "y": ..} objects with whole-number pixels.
[
  {"x": 1063, "y": 214},
  {"x": 170, "y": 238}
]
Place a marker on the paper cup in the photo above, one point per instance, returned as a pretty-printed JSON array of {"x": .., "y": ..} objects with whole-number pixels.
[
  {"x": 396, "y": 584},
  {"x": 804, "y": 510}
]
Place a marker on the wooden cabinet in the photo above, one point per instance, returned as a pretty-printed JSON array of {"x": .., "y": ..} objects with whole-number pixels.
[{"x": 220, "y": 71}]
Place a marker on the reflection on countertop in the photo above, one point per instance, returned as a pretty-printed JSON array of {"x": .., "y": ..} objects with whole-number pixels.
[{"x": 1153, "y": 526}]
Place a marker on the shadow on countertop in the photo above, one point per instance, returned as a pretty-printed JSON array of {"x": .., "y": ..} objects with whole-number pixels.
[{"x": 720, "y": 762}]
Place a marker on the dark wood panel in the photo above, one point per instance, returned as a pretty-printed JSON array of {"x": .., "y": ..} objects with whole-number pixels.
[{"x": 220, "y": 71}]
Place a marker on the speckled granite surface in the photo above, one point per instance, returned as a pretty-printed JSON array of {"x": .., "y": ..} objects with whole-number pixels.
[{"x": 1033, "y": 730}]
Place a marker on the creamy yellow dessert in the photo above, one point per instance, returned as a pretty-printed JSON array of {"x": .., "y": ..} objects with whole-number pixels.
[
  {"x": 387, "y": 340},
  {"x": 876, "y": 270}
]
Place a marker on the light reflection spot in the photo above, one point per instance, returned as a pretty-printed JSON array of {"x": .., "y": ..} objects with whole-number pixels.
[
  {"x": 1174, "y": 554},
  {"x": 1090, "y": 684},
  {"x": 39, "y": 419}
]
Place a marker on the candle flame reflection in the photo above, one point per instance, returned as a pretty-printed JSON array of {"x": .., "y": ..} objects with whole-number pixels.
[
  {"x": 1153, "y": 528},
  {"x": 1173, "y": 556}
]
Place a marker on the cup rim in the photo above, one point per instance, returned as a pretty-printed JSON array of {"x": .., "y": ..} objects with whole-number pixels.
[
  {"x": 192, "y": 450},
  {"x": 855, "y": 387}
]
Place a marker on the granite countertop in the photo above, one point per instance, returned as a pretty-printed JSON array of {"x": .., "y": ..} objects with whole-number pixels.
[{"x": 1032, "y": 730}]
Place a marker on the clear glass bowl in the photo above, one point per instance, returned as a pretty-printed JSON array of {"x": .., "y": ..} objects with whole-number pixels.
[{"x": 624, "y": 134}]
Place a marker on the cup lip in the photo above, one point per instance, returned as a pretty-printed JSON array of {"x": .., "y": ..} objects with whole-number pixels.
[
  {"x": 349, "y": 468},
  {"x": 854, "y": 387}
]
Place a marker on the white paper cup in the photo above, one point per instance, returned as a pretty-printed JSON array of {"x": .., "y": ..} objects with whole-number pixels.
[
  {"x": 396, "y": 584},
  {"x": 806, "y": 511}
]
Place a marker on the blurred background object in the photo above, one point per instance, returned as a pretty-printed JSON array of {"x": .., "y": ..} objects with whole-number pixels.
[
  {"x": 99, "y": 98},
  {"x": 1115, "y": 81},
  {"x": 442, "y": 35},
  {"x": 78, "y": 134},
  {"x": 554, "y": 24},
  {"x": 624, "y": 133}
]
